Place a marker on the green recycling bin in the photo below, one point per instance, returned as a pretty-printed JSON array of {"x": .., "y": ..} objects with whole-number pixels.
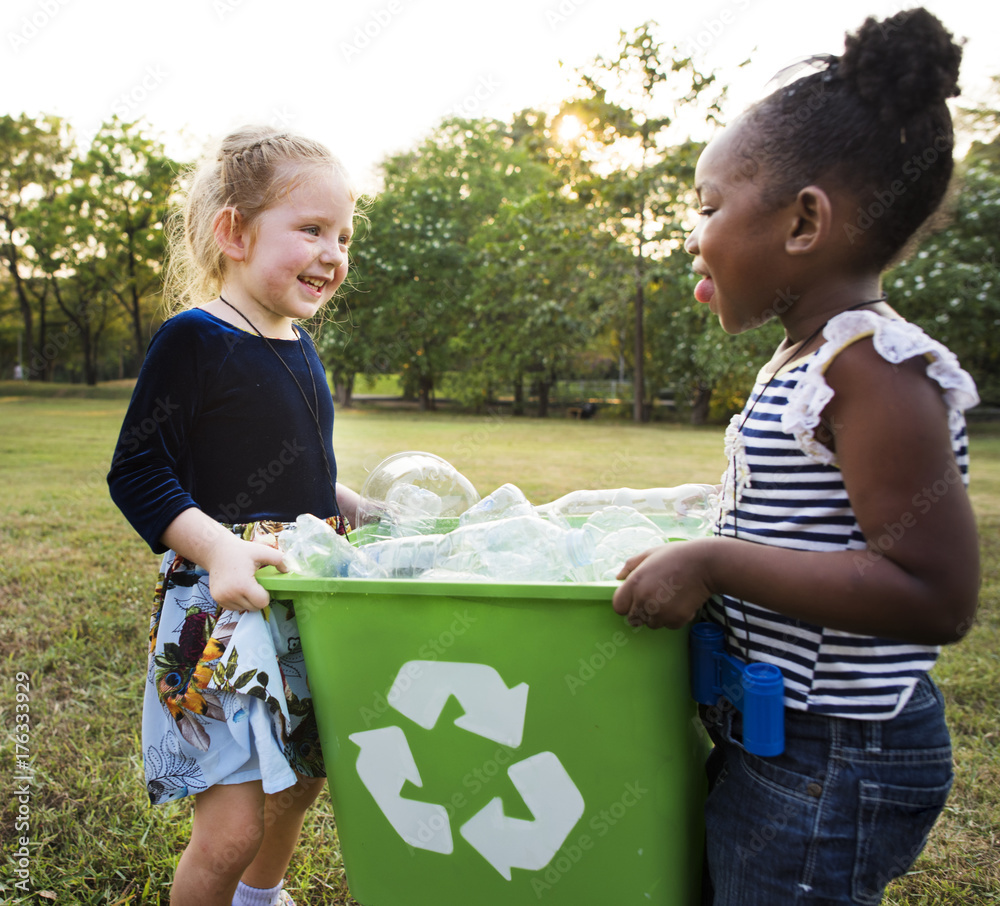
[{"x": 502, "y": 744}]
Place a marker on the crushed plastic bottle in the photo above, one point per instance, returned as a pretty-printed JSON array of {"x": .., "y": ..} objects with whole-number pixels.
[
  {"x": 622, "y": 532},
  {"x": 312, "y": 548},
  {"x": 402, "y": 558},
  {"x": 431, "y": 524},
  {"x": 506, "y": 501},
  {"x": 415, "y": 510},
  {"x": 523, "y": 548},
  {"x": 685, "y": 511}
]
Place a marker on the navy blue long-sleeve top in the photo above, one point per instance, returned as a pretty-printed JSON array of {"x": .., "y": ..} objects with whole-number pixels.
[{"x": 217, "y": 422}]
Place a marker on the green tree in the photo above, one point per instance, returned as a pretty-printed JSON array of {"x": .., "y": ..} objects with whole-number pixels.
[
  {"x": 34, "y": 157},
  {"x": 950, "y": 285},
  {"x": 98, "y": 240},
  {"x": 640, "y": 173},
  {"x": 537, "y": 311},
  {"x": 75, "y": 274},
  {"x": 413, "y": 268},
  {"x": 121, "y": 190}
]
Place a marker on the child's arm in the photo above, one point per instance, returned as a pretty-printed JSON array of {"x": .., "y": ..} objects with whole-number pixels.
[
  {"x": 230, "y": 561},
  {"x": 918, "y": 579},
  {"x": 349, "y": 502}
]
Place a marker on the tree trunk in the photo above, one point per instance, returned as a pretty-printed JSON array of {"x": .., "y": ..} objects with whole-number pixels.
[
  {"x": 426, "y": 394},
  {"x": 343, "y": 388},
  {"x": 543, "y": 398},
  {"x": 27, "y": 316},
  {"x": 639, "y": 379},
  {"x": 700, "y": 406},
  {"x": 518, "y": 406}
]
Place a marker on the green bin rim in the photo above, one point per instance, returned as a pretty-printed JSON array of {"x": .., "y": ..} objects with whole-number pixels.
[{"x": 272, "y": 580}]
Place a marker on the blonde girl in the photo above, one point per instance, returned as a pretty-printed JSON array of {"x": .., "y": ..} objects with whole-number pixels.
[{"x": 228, "y": 436}]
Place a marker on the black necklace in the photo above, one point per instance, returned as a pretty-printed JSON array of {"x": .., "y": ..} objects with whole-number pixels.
[
  {"x": 313, "y": 408},
  {"x": 739, "y": 430}
]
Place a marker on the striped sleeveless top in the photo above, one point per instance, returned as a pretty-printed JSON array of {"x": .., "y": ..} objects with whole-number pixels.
[{"x": 788, "y": 492}]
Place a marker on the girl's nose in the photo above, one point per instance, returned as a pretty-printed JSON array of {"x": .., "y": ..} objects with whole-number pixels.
[
  {"x": 333, "y": 254},
  {"x": 691, "y": 243}
]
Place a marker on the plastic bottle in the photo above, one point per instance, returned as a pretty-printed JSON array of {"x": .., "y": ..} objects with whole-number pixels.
[
  {"x": 312, "y": 548},
  {"x": 684, "y": 511},
  {"x": 506, "y": 501},
  {"x": 408, "y": 493},
  {"x": 402, "y": 558},
  {"x": 523, "y": 549},
  {"x": 615, "y": 548}
]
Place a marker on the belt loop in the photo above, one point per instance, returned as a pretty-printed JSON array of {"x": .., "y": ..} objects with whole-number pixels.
[{"x": 873, "y": 735}]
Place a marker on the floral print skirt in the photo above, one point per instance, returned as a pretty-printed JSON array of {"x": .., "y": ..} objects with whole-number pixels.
[{"x": 227, "y": 699}]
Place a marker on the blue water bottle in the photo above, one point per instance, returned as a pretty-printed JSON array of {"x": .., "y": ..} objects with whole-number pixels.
[{"x": 756, "y": 690}]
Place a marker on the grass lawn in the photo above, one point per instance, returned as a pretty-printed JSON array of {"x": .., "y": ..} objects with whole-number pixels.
[{"x": 75, "y": 583}]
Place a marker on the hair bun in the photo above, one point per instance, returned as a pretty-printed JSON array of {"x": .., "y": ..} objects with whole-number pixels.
[{"x": 903, "y": 64}]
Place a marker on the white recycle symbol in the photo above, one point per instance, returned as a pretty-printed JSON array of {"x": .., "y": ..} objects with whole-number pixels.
[{"x": 495, "y": 712}]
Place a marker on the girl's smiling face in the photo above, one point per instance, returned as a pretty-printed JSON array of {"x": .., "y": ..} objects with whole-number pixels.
[
  {"x": 296, "y": 256},
  {"x": 739, "y": 241}
]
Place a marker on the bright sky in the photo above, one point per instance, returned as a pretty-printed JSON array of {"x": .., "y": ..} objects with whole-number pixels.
[{"x": 371, "y": 78}]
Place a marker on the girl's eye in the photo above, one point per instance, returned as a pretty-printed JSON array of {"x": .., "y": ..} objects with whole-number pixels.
[
  {"x": 312, "y": 230},
  {"x": 705, "y": 211},
  {"x": 345, "y": 241}
]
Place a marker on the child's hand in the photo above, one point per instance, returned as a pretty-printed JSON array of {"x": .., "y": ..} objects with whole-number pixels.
[
  {"x": 231, "y": 569},
  {"x": 230, "y": 561},
  {"x": 664, "y": 586}
]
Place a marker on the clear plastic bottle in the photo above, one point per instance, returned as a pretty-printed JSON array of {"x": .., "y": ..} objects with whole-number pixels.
[
  {"x": 523, "y": 549},
  {"x": 312, "y": 548},
  {"x": 506, "y": 501},
  {"x": 408, "y": 493},
  {"x": 684, "y": 511},
  {"x": 402, "y": 558}
]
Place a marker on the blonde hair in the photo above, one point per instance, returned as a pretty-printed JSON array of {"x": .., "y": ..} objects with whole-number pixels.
[{"x": 248, "y": 171}]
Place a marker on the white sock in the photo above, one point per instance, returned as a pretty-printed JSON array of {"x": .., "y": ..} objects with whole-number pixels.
[{"x": 256, "y": 896}]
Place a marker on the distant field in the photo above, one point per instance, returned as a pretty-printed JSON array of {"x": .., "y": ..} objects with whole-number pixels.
[{"x": 75, "y": 585}]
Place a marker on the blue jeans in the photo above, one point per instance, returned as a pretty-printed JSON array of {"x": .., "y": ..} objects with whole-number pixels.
[{"x": 845, "y": 809}]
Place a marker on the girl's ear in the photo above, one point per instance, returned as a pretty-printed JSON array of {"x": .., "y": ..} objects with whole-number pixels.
[
  {"x": 230, "y": 234},
  {"x": 813, "y": 214}
]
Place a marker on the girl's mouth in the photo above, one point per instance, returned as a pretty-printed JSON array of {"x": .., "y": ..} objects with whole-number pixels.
[{"x": 314, "y": 284}]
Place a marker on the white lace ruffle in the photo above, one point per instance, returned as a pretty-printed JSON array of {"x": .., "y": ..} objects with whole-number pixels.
[
  {"x": 896, "y": 341},
  {"x": 736, "y": 477}
]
